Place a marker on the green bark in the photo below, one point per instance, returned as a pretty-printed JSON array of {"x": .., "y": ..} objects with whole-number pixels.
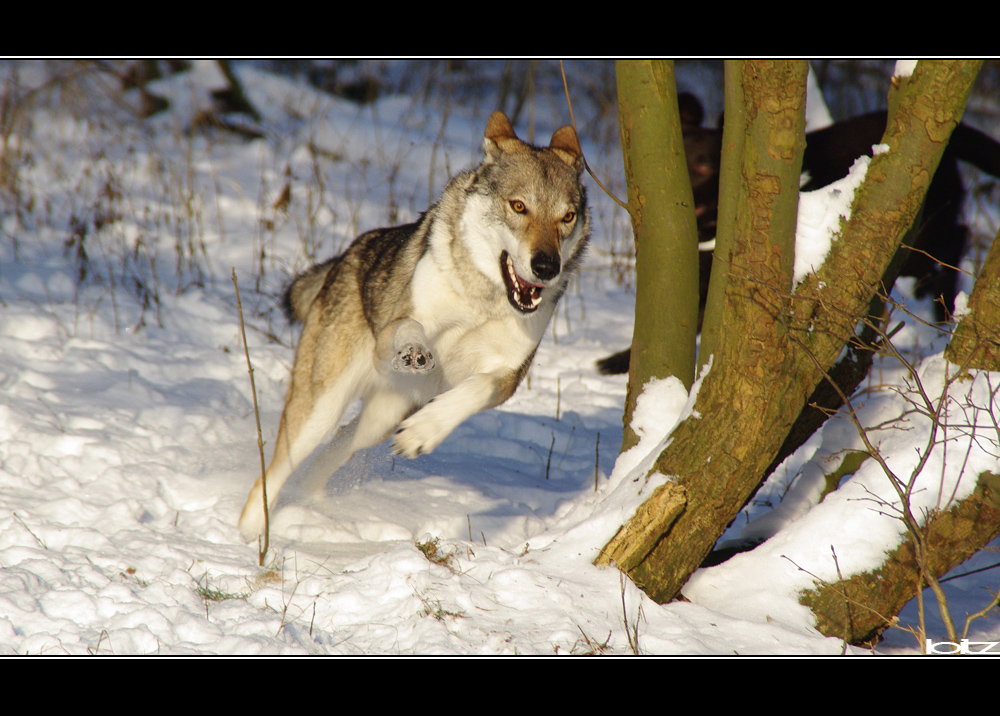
[
  {"x": 757, "y": 291},
  {"x": 661, "y": 207},
  {"x": 976, "y": 342},
  {"x": 857, "y": 609},
  {"x": 773, "y": 348},
  {"x": 730, "y": 182}
]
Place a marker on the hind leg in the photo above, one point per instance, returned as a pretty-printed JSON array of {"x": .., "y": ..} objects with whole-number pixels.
[
  {"x": 380, "y": 414},
  {"x": 305, "y": 422},
  {"x": 332, "y": 456}
]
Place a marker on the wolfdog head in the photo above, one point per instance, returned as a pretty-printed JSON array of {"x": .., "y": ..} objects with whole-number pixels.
[{"x": 526, "y": 213}]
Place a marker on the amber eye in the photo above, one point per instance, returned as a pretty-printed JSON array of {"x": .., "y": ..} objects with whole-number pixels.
[
  {"x": 570, "y": 215},
  {"x": 519, "y": 207}
]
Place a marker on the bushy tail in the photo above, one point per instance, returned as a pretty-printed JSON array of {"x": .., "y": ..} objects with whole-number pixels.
[
  {"x": 615, "y": 364},
  {"x": 302, "y": 291}
]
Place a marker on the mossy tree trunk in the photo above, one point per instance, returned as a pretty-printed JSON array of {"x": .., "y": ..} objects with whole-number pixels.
[
  {"x": 857, "y": 609},
  {"x": 773, "y": 347},
  {"x": 661, "y": 206},
  {"x": 734, "y": 137},
  {"x": 976, "y": 342}
]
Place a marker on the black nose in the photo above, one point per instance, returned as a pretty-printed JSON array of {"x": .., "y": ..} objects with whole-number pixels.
[{"x": 545, "y": 266}]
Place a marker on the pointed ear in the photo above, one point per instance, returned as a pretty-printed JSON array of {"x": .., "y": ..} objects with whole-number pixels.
[
  {"x": 499, "y": 128},
  {"x": 566, "y": 145},
  {"x": 500, "y": 137}
]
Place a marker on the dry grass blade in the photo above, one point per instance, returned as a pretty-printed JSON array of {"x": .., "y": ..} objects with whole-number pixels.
[{"x": 261, "y": 548}]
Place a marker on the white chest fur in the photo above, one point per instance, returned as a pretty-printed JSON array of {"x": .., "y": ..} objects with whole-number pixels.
[{"x": 471, "y": 326}]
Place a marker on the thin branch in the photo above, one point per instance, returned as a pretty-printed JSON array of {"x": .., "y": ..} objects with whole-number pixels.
[
  {"x": 261, "y": 550},
  {"x": 572, "y": 119},
  {"x": 842, "y": 592}
]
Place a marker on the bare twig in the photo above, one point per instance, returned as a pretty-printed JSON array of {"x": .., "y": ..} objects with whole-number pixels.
[
  {"x": 631, "y": 633},
  {"x": 597, "y": 459},
  {"x": 261, "y": 549},
  {"x": 572, "y": 119},
  {"x": 841, "y": 592},
  {"x": 981, "y": 613},
  {"x": 37, "y": 538},
  {"x": 934, "y": 409}
]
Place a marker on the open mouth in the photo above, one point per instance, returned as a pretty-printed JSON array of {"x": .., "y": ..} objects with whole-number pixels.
[{"x": 523, "y": 295}]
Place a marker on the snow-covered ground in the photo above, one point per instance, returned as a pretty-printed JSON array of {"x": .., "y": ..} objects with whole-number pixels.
[{"x": 128, "y": 440}]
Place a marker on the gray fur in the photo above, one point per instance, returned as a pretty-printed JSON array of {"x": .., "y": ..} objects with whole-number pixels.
[{"x": 431, "y": 322}]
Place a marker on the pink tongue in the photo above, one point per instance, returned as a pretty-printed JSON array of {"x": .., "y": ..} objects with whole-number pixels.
[
  {"x": 533, "y": 287},
  {"x": 525, "y": 285}
]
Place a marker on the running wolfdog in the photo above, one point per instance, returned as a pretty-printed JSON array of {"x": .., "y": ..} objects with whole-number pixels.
[{"x": 432, "y": 322}]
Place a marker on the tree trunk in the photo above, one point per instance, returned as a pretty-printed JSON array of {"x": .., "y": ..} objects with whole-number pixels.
[
  {"x": 661, "y": 207},
  {"x": 730, "y": 181},
  {"x": 756, "y": 293},
  {"x": 976, "y": 341},
  {"x": 774, "y": 346},
  {"x": 859, "y": 608}
]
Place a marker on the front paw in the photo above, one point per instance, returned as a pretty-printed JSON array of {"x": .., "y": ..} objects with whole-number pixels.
[
  {"x": 418, "y": 434},
  {"x": 413, "y": 358}
]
